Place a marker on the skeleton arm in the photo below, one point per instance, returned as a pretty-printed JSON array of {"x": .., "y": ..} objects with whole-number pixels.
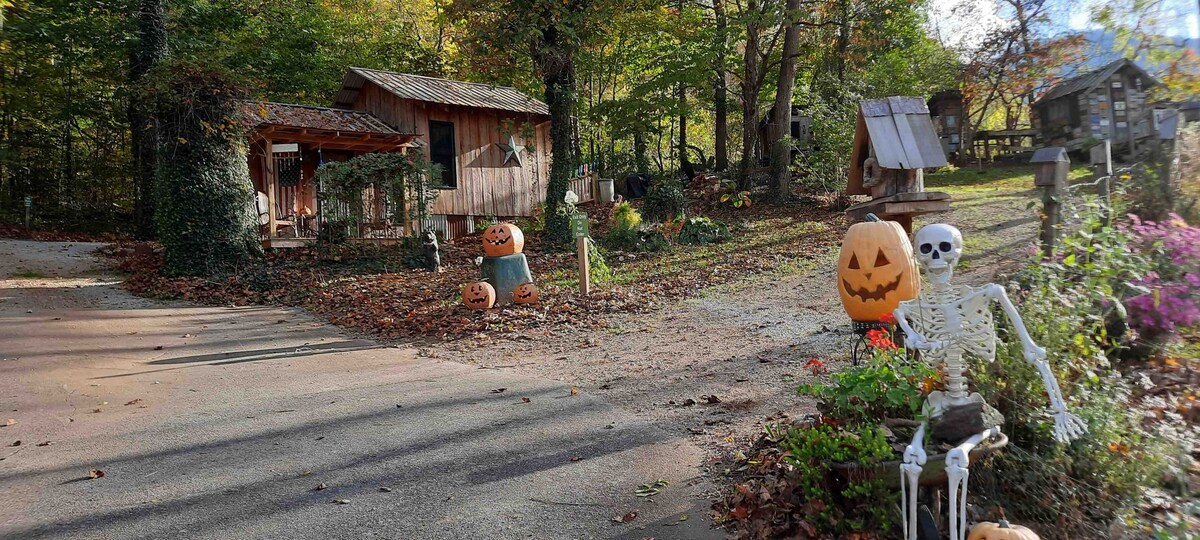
[{"x": 1067, "y": 426}]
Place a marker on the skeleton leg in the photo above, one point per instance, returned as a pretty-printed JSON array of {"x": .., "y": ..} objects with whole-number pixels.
[
  {"x": 910, "y": 474},
  {"x": 957, "y": 461}
]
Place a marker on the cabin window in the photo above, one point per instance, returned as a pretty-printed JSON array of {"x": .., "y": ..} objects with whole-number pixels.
[{"x": 441, "y": 152}]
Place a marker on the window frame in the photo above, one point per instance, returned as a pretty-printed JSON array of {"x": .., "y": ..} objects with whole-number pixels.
[{"x": 452, "y": 170}]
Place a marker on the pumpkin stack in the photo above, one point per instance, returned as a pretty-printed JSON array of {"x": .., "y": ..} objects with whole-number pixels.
[
  {"x": 876, "y": 270},
  {"x": 504, "y": 270}
]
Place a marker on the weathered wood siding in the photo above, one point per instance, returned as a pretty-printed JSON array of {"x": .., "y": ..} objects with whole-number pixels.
[{"x": 486, "y": 185}]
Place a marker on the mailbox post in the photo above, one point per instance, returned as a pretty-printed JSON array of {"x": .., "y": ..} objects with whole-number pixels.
[{"x": 1053, "y": 166}]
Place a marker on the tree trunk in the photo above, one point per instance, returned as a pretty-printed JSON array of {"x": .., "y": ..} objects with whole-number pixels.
[
  {"x": 750, "y": 89},
  {"x": 640, "y": 161},
  {"x": 720, "y": 90},
  {"x": 557, "y": 63},
  {"x": 150, "y": 49},
  {"x": 781, "y": 114}
]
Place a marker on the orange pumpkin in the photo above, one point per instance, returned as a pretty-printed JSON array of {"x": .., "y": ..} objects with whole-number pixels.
[
  {"x": 876, "y": 270},
  {"x": 1001, "y": 531},
  {"x": 479, "y": 295},
  {"x": 525, "y": 293},
  {"x": 503, "y": 239}
]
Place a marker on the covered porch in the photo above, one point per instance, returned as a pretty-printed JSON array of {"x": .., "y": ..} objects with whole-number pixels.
[{"x": 287, "y": 144}]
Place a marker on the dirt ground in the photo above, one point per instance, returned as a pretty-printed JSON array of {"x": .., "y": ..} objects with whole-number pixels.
[{"x": 747, "y": 344}]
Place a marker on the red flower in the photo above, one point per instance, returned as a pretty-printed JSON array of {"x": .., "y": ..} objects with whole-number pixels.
[
  {"x": 815, "y": 365},
  {"x": 880, "y": 339},
  {"x": 888, "y": 318}
]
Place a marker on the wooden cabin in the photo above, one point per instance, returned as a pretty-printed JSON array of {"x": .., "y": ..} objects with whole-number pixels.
[
  {"x": 1106, "y": 104},
  {"x": 471, "y": 130},
  {"x": 949, "y": 117},
  {"x": 493, "y": 144}
]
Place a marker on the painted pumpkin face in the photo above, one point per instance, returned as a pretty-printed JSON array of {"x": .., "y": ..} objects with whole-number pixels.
[
  {"x": 525, "y": 293},
  {"x": 503, "y": 239},
  {"x": 1001, "y": 531},
  {"x": 479, "y": 295},
  {"x": 876, "y": 270}
]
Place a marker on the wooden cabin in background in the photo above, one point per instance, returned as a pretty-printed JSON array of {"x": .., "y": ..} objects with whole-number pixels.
[
  {"x": 949, "y": 121},
  {"x": 464, "y": 127},
  {"x": 493, "y": 144},
  {"x": 1106, "y": 104}
]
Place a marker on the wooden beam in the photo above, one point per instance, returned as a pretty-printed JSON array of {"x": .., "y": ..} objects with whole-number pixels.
[{"x": 271, "y": 182}]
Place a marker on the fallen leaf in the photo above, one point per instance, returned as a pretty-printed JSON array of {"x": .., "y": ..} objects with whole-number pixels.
[
  {"x": 95, "y": 473},
  {"x": 629, "y": 516},
  {"x": 134, "y": 402},
  {"x": 158, "y": 348},
  {"x": 385, "y": 489},
  {"x": 525, "y": 400},
  {"x": 45, "y": 443},
  {"x": 576, "y": 458},
  {"x": 10, "y": 422},
  {"x": 16, "y": 443},
  {"x": 340, "y": 501},
  {"x": 498, "y": 390},
  {"x": 320, "y": 486},
  {"x": 574, "y": 390},
  {"x": 683, "y": 517}
]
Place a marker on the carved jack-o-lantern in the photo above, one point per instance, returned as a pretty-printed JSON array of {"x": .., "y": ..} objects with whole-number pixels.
[
  {"x": 479, "y": 295},
  {"x": 525, "y": 293},
  {"x": 876, "y": 270},
  {"x": 503, "y": 239},
  {"x": 1001, "y": 531}
]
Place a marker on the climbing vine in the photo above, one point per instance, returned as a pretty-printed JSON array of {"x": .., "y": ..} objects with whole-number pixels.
[{"x": 406, "y": 184}]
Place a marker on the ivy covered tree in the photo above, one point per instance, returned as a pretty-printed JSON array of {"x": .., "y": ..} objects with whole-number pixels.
[{"x": 204, "y": 200}]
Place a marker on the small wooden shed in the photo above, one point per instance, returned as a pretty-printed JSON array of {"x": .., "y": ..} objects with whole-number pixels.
[
  {"x": 1106, "y": 104},
  {"x": 894, "y": 142}
]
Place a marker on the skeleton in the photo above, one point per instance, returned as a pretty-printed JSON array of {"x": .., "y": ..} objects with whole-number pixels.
[{"x": 947, "y": 322}]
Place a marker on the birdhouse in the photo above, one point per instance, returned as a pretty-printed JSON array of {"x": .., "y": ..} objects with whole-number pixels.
[
  {"x": 1053, "y": 165},
  {"x": 894, "y": 142}
]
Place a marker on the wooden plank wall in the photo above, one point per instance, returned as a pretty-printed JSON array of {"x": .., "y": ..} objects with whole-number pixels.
[{"x": 486, "y": 185}]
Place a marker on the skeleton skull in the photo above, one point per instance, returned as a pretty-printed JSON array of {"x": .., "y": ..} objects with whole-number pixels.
[{"x": 939, "y": 246}]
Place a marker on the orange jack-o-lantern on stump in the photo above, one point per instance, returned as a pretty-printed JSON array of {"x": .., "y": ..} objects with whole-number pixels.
[
  {"x": 876, "y": 270},
  {"x": 1001, "y": 531},
  {"x": 479, "y": 295},
  {"x": 526, "y": 293},
  {"x": 503, "y": 239}
]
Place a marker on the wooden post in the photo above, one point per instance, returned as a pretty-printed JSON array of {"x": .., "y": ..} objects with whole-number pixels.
[
  {"x": 585, "y": 271},
  {"x": 271, "y": 183},
  {"x": 1102, "y": 172},
  {"x": 1053, "y": 167}
]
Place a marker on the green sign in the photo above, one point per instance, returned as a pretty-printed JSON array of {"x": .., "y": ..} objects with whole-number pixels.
[
  {"x": 28, "y": 201},
  {"x": 579, "y": 225}
]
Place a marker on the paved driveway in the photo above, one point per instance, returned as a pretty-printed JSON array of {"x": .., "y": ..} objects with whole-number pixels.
[{"x": 224, "y": 422}]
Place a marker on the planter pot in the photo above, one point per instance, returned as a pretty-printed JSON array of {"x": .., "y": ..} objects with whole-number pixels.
[
  {"x": 606, "y": 190},
  {"x": 933, "y": 473}
]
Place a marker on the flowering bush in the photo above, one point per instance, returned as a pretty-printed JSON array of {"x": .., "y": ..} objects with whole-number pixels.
[{"x": 1170, "y": 296}]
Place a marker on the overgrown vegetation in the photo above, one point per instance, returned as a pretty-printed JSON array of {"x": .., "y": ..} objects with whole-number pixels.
[{"x": 204, "y": 210}]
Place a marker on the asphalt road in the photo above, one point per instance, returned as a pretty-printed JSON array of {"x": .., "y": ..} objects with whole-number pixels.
[{"x": 253, "y": 422}]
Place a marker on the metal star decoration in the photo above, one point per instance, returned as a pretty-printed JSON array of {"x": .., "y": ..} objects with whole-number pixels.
[{"x": 512, "y": 151}]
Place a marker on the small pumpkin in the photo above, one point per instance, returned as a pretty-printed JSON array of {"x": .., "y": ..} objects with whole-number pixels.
[
  {"x": 876, "y": 269},
  {"x": 479, "y": 295},
  {"x": 503, "y": 239},
  {"x": 525, "y": 293},
  {"x": 1001, "y": 531}
]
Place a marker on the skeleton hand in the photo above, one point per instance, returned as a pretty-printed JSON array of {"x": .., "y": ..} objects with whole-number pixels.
[
  {"x": 916, "y": 341},
  {"x": 1068, "y": 427}
]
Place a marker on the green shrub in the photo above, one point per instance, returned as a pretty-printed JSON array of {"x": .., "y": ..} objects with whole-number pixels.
[
  {"x": 664, "y": 200},
  {"x": 204, "y": 202},
  {"x": 703, "y": 231},
  {"x": 625, "y": 216},
  {"x": 833, "y": 505}
]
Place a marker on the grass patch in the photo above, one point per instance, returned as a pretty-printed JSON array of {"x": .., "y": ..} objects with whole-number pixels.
[{"x": 29, "y": 274}]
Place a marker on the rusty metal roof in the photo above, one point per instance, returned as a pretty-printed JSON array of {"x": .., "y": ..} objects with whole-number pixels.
[
  {"x": 257, "y": 113},
  {"x": 419, "y": 88},
  {"x": 1091, "y": 80}
]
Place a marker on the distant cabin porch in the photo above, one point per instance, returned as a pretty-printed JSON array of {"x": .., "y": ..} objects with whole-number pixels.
[{"x": 287, "y": 144}]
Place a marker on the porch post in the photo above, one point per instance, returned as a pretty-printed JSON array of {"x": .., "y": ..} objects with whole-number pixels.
[{"x": 271, "y": 182}]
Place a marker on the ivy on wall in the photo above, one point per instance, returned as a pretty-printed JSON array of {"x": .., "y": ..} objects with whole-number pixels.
[{"x": 407, "y": 183}]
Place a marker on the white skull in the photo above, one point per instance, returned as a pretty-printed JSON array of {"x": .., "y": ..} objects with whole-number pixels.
[{"x": 938, "y": 246}]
